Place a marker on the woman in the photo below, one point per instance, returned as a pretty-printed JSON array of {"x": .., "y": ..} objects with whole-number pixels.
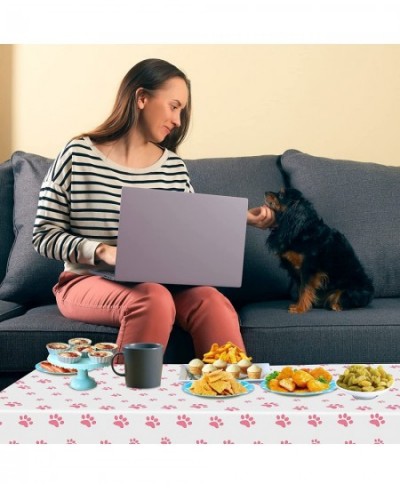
[{"x": 78, "y": 212}]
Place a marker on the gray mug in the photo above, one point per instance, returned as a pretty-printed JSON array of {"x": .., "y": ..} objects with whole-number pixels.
[{"x": 143, "y": 364}]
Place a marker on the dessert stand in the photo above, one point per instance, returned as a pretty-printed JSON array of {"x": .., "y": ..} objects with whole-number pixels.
[{"x": 82, "y": 381}]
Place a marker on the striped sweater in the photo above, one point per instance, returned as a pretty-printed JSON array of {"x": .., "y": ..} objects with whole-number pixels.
[{"x": 79, "y": 201}]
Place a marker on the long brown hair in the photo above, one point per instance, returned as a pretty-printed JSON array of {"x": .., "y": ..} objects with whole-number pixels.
[{"x": 149, "y": 74}]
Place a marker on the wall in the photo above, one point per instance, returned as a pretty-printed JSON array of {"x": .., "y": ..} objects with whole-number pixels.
[
  {"x": 330, "y": 100},
  {"x": 6, "y": 57}
]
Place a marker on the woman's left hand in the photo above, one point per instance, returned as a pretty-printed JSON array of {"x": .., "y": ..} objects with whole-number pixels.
[{"x": 261, "y": 217}]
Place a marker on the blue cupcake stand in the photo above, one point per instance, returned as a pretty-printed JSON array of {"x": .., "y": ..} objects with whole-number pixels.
[{"x": 82, "y": 381}]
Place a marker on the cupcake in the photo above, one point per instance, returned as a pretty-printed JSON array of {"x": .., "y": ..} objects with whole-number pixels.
[
  {"x": 244, "y": 364},
  {"x": 195, "y": 366},
  {"x": 69, "y": 357},
  {"x": 84, "y": 349},
  {"x": 234, "y": 370},
  {"x": 208, "y": 368},
  {"x": 101, "y": 357},
  {"x": 78, "y": 341},
  {"x": 220, "y": 364},
  {"x": 57, "y": 347},
  {"x": 254, "y": 372},
  {"x": 106, "y": 346}
]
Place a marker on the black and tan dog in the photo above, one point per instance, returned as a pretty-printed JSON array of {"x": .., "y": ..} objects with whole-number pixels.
[{"x": 318, "y": 258}]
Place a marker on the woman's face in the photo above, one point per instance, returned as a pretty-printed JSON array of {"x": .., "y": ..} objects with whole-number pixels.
[{"x": 160, "y": 112}]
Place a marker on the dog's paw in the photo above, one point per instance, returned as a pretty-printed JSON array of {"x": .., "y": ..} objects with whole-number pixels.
[{"x": 296, "y": 308}]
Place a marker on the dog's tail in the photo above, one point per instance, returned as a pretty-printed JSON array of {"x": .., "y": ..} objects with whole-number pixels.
[{"x": 356, "y": 298}]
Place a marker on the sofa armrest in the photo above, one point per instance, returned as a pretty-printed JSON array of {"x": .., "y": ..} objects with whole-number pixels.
[{"x": 8, "y": 310}]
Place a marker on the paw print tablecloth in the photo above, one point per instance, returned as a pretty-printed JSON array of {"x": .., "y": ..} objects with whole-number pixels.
[{"x": 42, "y": 408}]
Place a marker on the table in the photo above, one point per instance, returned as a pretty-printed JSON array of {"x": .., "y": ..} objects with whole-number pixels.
[{"x": 42, "y": 408}]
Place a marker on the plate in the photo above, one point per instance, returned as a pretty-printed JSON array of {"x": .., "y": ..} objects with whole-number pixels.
[
  {"x": 249, "y": 388},
  {"x": 43, "y": 370},
  {"x": 184, "y": 374},
  {"x": 332, "y": 387}
]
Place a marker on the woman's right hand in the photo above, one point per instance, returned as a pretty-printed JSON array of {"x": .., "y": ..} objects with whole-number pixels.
[{"x": 107, "y": 254}]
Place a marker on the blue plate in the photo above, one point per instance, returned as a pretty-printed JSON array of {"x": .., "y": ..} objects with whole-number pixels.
[
  {"x": 332, "y": 387},
  {"x": 249, "y": 388},
  {"x": 40, "y": 368}
]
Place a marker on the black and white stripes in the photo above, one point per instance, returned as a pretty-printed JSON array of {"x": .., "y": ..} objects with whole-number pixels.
[{"x": 79, "y": 201}]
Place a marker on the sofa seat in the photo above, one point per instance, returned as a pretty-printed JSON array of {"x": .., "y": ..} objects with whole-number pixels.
[{"x": 365, "y": 335}]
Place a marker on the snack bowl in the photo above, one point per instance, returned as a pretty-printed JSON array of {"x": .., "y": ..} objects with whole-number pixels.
[
  {"x": 106, "y": 346},
  {"x": 363, "y": 395},
  {"x": 57, "y": 347},
  {"x": 69, "y": 357},
  {"x": 78, "y": 341},
  {"x": 101, "y": 357}
]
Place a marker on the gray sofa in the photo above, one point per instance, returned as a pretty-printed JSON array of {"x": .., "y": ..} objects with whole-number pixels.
[{"x": 359, "y": 199}]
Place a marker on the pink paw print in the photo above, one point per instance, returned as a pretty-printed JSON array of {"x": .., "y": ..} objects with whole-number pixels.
[
  {"x": 120, "y": 421},
  {"x": 247, "y": 420},
  {"x": 282, "y": 420},
  {"x": 13, "y": 404},
  {"x": 228, "y": 442},
  {"x": 285, "y": 442},
  {"x": 216, "y": 422},
  {"x": 56, "y": 420},
  {"x": 315, "y": 441},
  {"x": 165, "y": 440},
  {"x": 199, "y": 405},
  {"x": 41, "y": 442},
  {"x": 349, "y": 442},
  {"x": 334, "y": 406},
  {"x": 345, "y": 420},
  {"x": 25, "y": 421},
  {"x": 134, "y": 441},
  {"x": 314, "y": 420},
  {"x": 258, "y": 442},
  {"x": 152, "y": 422},
  {"x": 184, "y": 421},
  {"x": 378, "y": 441},
  {"x": 137, "y": 406},
  {"x": 201, "y": 441},
  {"x": 231, "y": 409},
  {"x": 71, "y": 441},
  {"x": 376, "y": 419},
  {"x": 105, "y": 442},
  {"x": 269, "y": 404},
  {"x": 88, "y": 420}
]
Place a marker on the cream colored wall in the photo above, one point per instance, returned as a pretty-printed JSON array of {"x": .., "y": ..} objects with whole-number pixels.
[
  {"x": 329, "y": 100},
  {"x": 6, "y": 56}
]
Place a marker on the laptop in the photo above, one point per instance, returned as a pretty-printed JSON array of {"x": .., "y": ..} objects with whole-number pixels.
[{"x": 179, "y": 238}]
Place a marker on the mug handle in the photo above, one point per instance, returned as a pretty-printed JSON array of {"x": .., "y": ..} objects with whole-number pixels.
[{"x": 112, "y": 364}]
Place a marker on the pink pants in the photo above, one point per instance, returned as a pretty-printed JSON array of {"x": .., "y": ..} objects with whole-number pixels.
[{"x": 146, "y": 312}]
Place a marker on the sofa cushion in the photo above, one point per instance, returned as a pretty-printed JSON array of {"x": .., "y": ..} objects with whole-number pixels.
[
  {"x": 366, "y": 335},
  {"x": 247, "y": 177},
  {"x": 29, "y": 277},
  {"x": 9, "y": 310},
  {"x": 6, "y": 214},
  {"x": 360, "y": 200}
]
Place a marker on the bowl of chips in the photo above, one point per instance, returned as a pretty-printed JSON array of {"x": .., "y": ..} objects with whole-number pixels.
[{"x": 228, "y": 352}]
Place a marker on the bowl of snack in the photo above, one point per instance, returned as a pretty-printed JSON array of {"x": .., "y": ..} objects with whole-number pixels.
[
  {"x": 78, "y": 341},
  {"x": 57, "y": 347},
  {"x": 70, "y": 357},
  {"x": 364, "y": 382},
  {"x": 106, "y": 346},
  {"x": 101, "y": 357}
]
